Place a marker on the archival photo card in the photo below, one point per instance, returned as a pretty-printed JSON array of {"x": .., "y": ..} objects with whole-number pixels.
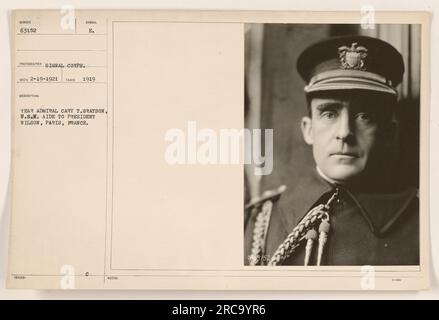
[{"x": 210, "y": 150}]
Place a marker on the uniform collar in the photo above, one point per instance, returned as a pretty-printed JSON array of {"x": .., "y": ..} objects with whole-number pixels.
[
  {"x": 302, "y": 196},
  {"x": 380, "y": 210}
]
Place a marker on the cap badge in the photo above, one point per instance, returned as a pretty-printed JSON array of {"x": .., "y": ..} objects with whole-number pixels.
[{"x": 352, "y": 58}]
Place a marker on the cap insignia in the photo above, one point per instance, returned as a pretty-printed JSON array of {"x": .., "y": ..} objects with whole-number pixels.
[{"x": 352, "y": 58}]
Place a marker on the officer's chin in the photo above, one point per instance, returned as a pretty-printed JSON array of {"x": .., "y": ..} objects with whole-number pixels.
[{"x": 344, "y": 174}]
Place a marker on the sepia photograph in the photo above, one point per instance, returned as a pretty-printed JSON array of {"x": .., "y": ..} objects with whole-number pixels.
[{"x": 343, "y": 104}]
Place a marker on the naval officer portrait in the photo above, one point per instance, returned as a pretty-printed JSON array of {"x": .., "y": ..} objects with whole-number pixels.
[{"x": 347, "y": 211}]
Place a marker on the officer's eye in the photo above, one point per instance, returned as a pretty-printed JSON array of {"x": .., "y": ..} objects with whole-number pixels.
[
  {"x": 364, "y": 117},
  {"x": 329, "y": 114}
]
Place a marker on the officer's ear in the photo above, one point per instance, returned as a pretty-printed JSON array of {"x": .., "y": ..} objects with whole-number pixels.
[
  {"x": 391, "y": 126},
  {"x": 392, "y": 133},
  {"x": 306, "y": 126}
]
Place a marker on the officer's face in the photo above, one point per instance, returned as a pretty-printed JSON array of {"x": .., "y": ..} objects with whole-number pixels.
[{"x": 345, "y": 131}]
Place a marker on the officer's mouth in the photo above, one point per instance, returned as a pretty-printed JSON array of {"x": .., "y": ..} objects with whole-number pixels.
[{"x": 344, "y": 155}]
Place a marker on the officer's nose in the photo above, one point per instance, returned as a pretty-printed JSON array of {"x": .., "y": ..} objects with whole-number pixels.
[{"x": 344, "y": 129}]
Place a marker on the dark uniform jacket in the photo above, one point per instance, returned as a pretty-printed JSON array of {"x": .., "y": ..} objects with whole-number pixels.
[{"x": 365, "y": 228}]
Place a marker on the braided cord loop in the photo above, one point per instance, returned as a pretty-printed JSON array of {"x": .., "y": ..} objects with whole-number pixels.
[{"x": 310, "y": 221}]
